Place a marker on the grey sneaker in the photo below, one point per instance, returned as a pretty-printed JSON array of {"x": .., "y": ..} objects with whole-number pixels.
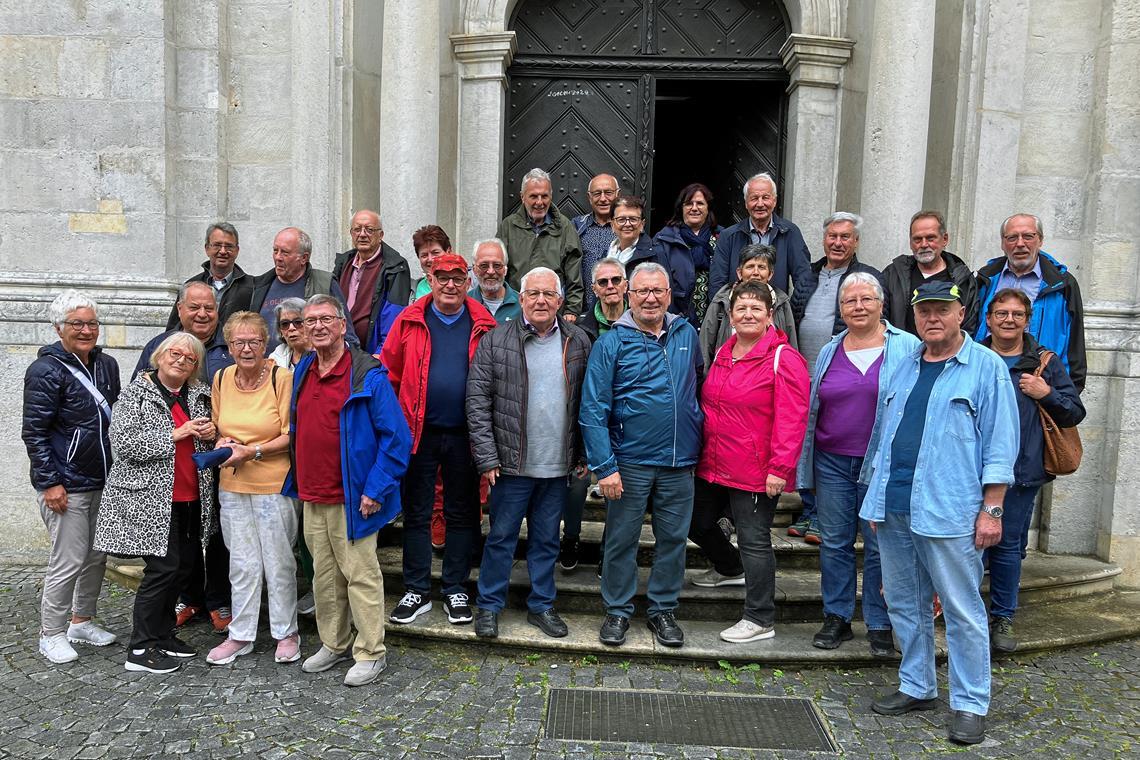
[
  {"x": 365, "y": 672},
  {"x": 711, "y": 579},
  {"x": 306, "y": 605},
  {"x": 88, "y": 632},
  {"x": 1001, "y": 635},
  {"x": 324, "y": 659}
]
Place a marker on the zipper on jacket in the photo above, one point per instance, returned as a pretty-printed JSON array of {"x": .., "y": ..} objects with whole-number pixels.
[
  {"x": 99, "y": 424},
  {"x": 673, "y": 389},
  {"x": 74, "y": 446}
]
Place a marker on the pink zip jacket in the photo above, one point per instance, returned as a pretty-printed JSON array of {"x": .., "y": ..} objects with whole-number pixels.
[{"x": 755, "y": 419}]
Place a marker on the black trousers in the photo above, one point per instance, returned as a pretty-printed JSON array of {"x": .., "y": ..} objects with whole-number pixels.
[
  {"x": 709, "y": 501},
  {"x": 164, "y": 577},
  {"x": 208, "y": 586}
]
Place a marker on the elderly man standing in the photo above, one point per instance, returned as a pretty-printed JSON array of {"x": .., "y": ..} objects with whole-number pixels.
[
  {"x": 762, "y": 226},
  {"x": 427, "y": 355},
  {"x": 539, "y": 235},
  {"x": 197, "y": 310},
  {"x": 595, "y": 229},
  {"x": 523, "y": 393},
  {"x": 928, "y": 261},
  {"x": 944, "y": 460},
  {"x": 232, "y": 286},
  {"x": 292, "y": 276},
  {"x": 349, "y": 446},
  {"x": 492, "y": 290},
  {"x": 374, "y": 278},
  {"x": 642, "y": 429},
  {"x": 1058, "y": 321}
]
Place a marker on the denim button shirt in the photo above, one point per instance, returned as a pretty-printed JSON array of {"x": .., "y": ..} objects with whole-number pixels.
[{"x": 970, "y": 440}]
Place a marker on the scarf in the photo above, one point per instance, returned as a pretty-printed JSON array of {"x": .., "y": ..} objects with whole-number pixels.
[{"x": 700, "y": 245}]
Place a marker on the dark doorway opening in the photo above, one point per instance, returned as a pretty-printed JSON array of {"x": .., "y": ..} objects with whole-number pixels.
[{"x": 715, "y": 132}]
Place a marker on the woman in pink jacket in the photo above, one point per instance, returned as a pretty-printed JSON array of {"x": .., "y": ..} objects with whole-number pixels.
[{"x": 755, "y": 400}]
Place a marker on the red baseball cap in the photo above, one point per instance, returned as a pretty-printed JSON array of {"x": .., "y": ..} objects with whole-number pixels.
[{"x": 446, "y": 262}]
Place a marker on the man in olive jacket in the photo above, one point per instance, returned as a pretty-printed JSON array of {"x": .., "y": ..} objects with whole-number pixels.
[
  {"x": 539, "y": 235},
  {"x": 523, "y": 392}
]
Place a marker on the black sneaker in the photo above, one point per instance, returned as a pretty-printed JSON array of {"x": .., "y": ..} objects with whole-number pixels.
[
  {"x": 834, "y": 632},
  {"x": 176, "y": 647},
  {"x": 1001, "y": 635},
  {"x": 410, "y": 607},
  {"x": 665, "y": 628},
  {"x": 151, "y": 660},
  {"x": 568, "y": 555},
  {"x": 487, "y": 624},
  {"x": 613, "y": 630},
  {"x": 458, "y": 609},
  {"x": 882, "y": 643},
  {"x": 549, "y": 622}
]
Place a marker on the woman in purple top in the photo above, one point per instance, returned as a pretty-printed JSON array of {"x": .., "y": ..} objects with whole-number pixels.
[{"x": 842, "y": 434}]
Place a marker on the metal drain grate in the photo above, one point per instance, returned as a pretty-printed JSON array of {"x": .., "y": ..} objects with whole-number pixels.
[{"x": 606, "y": 715}]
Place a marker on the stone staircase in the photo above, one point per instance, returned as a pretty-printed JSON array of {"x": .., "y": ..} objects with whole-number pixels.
[{"x": 1064, "y": 601}]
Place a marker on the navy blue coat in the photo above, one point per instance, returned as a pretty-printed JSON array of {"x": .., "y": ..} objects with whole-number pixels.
[
  {"x": 672, "y": 252},
  {"x": 66, "y": 434},
  {"x": 793, "y": 260}
]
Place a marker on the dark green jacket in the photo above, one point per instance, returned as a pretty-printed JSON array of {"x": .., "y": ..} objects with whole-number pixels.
[{"x": 556, "y": 247}]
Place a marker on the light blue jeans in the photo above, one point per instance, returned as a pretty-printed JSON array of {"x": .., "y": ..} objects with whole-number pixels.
[{"x": 914, "y": 567}]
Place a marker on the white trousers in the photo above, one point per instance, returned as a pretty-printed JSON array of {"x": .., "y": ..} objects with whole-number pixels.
[{"x": 260, "y": 530}]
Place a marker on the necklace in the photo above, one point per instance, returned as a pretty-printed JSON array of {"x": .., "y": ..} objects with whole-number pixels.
[{"x": 257, "y": 383}]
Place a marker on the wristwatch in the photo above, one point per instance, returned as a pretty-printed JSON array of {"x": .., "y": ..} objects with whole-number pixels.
[
  {"x": 994, "y": 511},
  {"x": 257, "y": 458}
]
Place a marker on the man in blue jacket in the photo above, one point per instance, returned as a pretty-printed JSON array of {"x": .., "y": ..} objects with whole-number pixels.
[
  {"x": 641, "y": 426},
  {"x": 944, "y": 460},
  {"x": 762, "y": 226},
  {"x": 1058, "y": 321},
  {"x": 349, "y": 445}
]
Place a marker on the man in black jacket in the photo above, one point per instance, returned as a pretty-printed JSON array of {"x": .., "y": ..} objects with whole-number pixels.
[
  {"x": 523, "y": 392},
  {"x": 232, "y": 286},
  {"x": 928, "y": 261},
  {"x": 374, "y": 277}
]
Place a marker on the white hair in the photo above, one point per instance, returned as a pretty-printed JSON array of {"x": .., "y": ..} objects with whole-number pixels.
[
  {"x": 648, "y": 267},
  {"x": 861, "y": 278},
  {"x": 534, "y": 175},
  {"x": 542, "y": 270},
  {"x": 613, "y": 261},
  {"x": 490, "y": 241},
  {"x": 1036, "y": 220},
  {"x": 756, "y": 178},
  {"x": 844, "y": 216},
  {"x": 67, "y": 302}
]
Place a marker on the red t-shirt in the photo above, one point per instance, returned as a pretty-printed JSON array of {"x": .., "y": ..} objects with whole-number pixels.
[
  {"x": 318, "y": 432},
  {"x": 185, "y": 472}
]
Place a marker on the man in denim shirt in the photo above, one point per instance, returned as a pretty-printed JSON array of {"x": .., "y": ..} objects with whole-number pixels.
[{"x": 946, "y": 455}]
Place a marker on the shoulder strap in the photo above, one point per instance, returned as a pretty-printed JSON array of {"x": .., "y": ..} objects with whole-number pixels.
[
  {"x": 89, "y": 386},
  {"x": 776, "y": 363},
  {"x": 1046, "y": 357}
]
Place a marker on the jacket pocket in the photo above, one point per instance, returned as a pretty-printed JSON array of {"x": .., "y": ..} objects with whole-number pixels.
[
  {"x": 73, "y": 447},
  {"x": 962, "y": 422}
]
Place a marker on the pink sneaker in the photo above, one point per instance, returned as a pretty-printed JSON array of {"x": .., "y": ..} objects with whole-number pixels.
[
  {"x": 228, "y": 651},
  {"x": 289, "y": 649}
]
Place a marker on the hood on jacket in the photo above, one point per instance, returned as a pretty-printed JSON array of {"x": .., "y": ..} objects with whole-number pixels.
[
  {"x": 417, "y": 312},
  {"x": 773, "y": 339},
  {"x": 57, "y": 351},
  {"x": 626, "y": 320}
]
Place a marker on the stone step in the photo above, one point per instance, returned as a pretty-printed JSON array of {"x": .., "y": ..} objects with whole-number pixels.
[{"x": 787, "y": 508}]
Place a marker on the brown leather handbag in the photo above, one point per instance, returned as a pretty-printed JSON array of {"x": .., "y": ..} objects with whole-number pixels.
[{"x": 1063, "y": 448}]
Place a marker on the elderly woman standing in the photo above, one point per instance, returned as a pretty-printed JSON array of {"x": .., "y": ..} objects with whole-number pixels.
[
  {"x": 294, "y": 337},
  {"x": 755, "y": 399},
  {"x": 685, "y": 246},
  {"x": 157, "y": 504},
  {"x": 843, "y": 426},
  {"x": 68, "y": 393},
  {"x": 250, "y": 404}
]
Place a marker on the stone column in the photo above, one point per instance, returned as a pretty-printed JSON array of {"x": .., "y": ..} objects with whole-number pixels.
[
  {"x": 898, "y": 108},
  {"x": 409, "y": 105},
  {"x": 815, "y": 64},
  {"x": 483, "y": 60}
]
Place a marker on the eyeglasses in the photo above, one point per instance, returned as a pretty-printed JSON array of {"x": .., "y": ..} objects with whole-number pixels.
[
  {"x": 864, "y": 301},
  {"x": 489, "y": 266},
  {"x": 177, "y": 357},
  {"x": 1017, "y": 316},
  {"x": 646, "y": 292},
  {"x": 455, "y": 279},
  {"x": 606, "y": 282},
  {"x": 532, "y": 294},
  {"x": 369, "y": 230},
  {"x": 223, "y": 246},
  {"x": 602, "y": 193},
  {"x": 627, "y": 221},
  {"x": 324, "y": 319},
  {"x": 285, "y": 324},
  {"x": 253, "y": 343},
  {"x": 79, "y": 324},
  {"x": 1013, "y": 237}
]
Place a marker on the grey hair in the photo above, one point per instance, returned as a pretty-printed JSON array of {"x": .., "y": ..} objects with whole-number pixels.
[
  {"x": 323, "y": 299},
  {"x": 534, "y": 175},
  {"x": 1036, "y": 220},
  {"x": 304, "y": 242},
  {"x": 648, "y": 267},
  {"x": 758, "y": 251},
  {"x": 844, "y": 216},
  {"x": 861, "y": 278},
  {"x": 182, "y": 339},
  {"x": 289, "y": 304},
  {"x": 761, "y": 176},
  {"x": 613, "y": 261},
  {"x": 185, "y": 287},
  {"x": 541, "y": 270},
  {"x": 490, "y": 241},
  {"x": 67, "y": 302},
  {"x": 225, "y": 227}
]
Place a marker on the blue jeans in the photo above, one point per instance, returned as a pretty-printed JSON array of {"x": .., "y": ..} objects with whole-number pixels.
[
  {"x": 672, "y": 493},
  {"x": 914, "y": 567},
  {"x": 838, "y": 496},
  {"x": 540, "y": 501},
  {"x": 1005, "y": 557}
]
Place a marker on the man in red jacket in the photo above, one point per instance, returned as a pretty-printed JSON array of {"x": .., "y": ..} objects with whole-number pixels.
[{"x": 427, "y": 354}]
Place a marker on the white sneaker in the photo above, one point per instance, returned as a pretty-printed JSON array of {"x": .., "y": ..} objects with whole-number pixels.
[
  {"x": 56, "y": 649},
  {"x": 365, "y": 672},
  {"x": 746, "y": 631},
  {"x": 88, "y": 632},
  {"x": 711, "y": 579}
]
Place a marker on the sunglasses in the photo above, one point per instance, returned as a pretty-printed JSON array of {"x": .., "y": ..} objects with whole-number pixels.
[
  {"x": 606, "y": 282},
  {"x": 285, "y": 324}
]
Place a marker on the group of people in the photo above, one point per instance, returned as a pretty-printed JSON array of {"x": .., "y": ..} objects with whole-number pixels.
[{"x": 696, "y": 375}]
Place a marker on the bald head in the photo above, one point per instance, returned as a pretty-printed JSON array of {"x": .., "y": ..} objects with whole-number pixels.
[
  {"x": 367, "y": 233},
  {"x": 602, "y": 191}
]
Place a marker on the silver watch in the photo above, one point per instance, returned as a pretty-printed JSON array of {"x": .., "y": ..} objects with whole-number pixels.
[
  {"x": 994, "y": 511},
  {"x": 257, "y": 455}
]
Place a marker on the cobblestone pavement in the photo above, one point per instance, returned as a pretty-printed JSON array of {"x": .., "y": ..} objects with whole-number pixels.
[{"x": 447, "y": 702}]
